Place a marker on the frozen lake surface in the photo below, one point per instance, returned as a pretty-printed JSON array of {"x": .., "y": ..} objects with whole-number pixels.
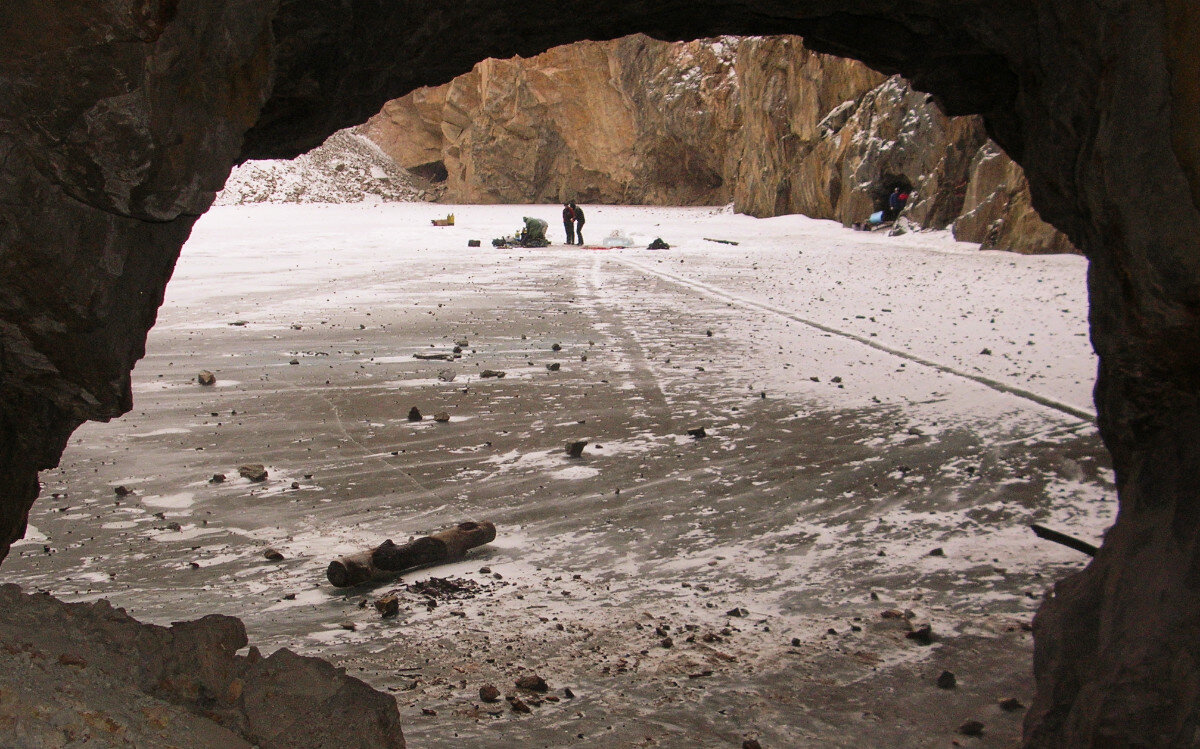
[{"x": 884, "y": 418}]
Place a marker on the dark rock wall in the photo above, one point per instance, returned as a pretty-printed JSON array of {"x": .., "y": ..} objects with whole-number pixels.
[
  {"x": 118, "y": 119},
  {"x": 118, "y": 122}
]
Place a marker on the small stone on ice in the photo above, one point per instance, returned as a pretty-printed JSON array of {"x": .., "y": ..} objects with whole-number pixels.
[
  {"x": 922, "y": 635},
  {"x": 971, "y": 728},
  {"x": 517, "y": 705},
  {"x": 533, "y": 683},
  {"x": 387, "y": 606}
]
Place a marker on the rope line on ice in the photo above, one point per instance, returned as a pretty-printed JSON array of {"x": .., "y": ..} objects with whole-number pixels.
[{"x": 713, "y": 291}]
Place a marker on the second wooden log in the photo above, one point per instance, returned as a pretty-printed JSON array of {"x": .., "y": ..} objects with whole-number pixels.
[{"x": 389, "y": 559}]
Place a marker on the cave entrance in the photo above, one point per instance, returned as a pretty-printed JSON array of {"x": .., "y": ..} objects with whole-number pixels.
[
  {"x": 1099, "y": 103},
  {"x": 433, "y": 172},
  {"x": 881, "y": 190}
]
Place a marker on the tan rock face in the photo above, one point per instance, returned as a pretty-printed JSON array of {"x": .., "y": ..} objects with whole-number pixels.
[
  {"x": 997, "y": 211},
  {"x": 599, "y": 122},
  {"x": 762, "y": 122}
]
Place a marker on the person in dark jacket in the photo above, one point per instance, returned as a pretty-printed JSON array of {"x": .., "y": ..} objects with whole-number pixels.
[
  {"x": 896, "y": 202},
  {"x": 569, "y": 222},
  {"x": 578, "y": 222}
]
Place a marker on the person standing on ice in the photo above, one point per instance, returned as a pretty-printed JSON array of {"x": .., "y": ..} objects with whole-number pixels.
[
  {"x": 896, "y": 202},
  {"x": 569, "y": 222},
  {"x": 578, "y": 221}
]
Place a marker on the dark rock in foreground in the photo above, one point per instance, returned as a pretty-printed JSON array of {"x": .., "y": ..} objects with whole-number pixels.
[{"x": 144, "y": 685}]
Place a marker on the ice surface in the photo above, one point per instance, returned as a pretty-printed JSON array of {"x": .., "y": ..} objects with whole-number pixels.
[{"x": 854, "y": 424}]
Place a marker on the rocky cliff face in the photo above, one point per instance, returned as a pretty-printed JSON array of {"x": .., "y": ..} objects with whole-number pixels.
[
  {"x": 764, "y": 123},
  {"x": 629, "y": 121}
]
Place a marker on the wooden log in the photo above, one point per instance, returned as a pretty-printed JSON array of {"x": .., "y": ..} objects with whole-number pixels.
[{"x": 389, "y": 559}]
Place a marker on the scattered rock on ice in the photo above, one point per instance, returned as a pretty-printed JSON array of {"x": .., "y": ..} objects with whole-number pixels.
[
  {"x": 253, "y": 471},
  {"x": 533, "y": 683},
  {"x": 922, "y": 635},
  {"x": 447, "y": 375},
  {"x": 272, "y": 554},
  {"x": 1011, "y": 705},
  {"x": 206, "y": 378},
  {"x": 971, "y": 728},
  {"x": 498, "y": 374},
  {"x": 489, "y": 693},
  {"x": 387, "y": 606},
  {"x": 517, "y": 705},
  {"x": 441, "y": 417},
  {"x": 414, "y": 414}
]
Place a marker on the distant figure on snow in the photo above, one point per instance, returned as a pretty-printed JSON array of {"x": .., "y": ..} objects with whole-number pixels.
[
  {"x": 578, "y": 222},
  {"x": 569, "y": 222}
]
